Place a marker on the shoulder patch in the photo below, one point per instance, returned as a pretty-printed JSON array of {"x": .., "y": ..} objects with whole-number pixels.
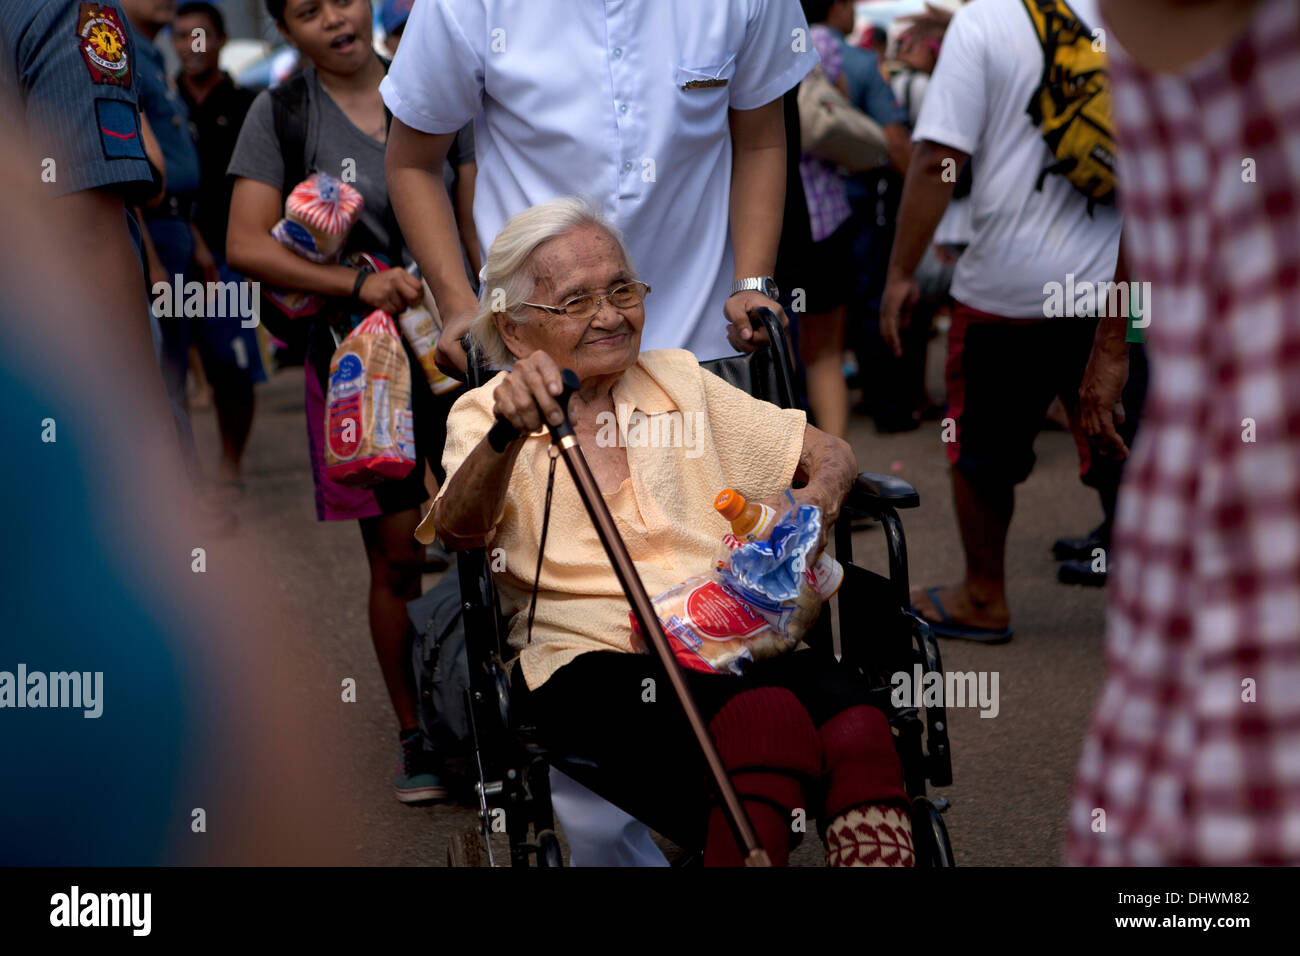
[
  {"x": 104, "y": 46},
  {"x": 119, "y": 129}
]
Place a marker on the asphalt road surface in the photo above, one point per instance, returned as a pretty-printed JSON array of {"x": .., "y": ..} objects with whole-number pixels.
[{"x": 1012, "y": 773}]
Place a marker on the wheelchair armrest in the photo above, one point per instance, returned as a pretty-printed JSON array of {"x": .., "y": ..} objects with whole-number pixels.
[{"x": 871, "y": 492}]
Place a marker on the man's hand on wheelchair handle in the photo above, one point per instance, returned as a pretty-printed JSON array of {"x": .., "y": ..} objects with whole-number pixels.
[
  {"x": 449, "y": 354},
  {"x": 743, "y": 332}
]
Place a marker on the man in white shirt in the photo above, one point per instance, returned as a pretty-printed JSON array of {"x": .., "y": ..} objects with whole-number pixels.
[
  {"x": 1006, "y": 358},
  {"x": 666, "y": 113}
]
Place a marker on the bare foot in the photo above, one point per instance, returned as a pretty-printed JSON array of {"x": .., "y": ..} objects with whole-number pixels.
[{"x": 962, "y": 609}]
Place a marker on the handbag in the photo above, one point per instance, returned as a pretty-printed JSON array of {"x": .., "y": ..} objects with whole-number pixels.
[{"x": 834, "y": 130}]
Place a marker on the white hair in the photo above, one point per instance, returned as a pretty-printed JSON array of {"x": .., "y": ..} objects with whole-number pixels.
[{"x": 506, "y": 280}]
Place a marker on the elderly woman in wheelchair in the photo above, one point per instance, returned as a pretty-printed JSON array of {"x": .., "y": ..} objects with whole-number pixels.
[{"x": 796, "y": 733}]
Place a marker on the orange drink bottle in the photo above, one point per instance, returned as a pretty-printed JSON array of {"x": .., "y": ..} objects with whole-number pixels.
[{"x": 753, "y": 521}]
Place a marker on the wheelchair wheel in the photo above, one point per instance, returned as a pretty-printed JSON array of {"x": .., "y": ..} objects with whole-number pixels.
[
  {"x": 466, "y": 849},
  {"x": 548, "y": 850},
  {"x": 930, "y": 836}
]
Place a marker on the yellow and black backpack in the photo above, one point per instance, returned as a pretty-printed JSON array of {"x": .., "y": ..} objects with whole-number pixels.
[{"x": 1071, "y": 105}]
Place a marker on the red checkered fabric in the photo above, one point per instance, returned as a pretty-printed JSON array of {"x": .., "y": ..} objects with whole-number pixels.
[{"x": 1194, "y": 750}]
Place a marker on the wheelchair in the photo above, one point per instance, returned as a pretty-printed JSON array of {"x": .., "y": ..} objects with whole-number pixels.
[{"x": 513, "y": 767}]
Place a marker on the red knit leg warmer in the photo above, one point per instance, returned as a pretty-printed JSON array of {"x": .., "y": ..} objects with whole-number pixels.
[
  {"x": 866, "y": 812},
  {"x": 768, "y": 743}
]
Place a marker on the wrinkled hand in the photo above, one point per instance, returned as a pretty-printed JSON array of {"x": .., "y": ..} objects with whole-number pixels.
[
  {"x": 1099, "y": 401},
  {"x": 450, "y": 354},
  {"x": 901, "y": 293},
  {"x": 393, "y": 290},
  {"x": 806, "y": 496},
  {"x": 529, "y": 392},
  {"x": 743, "y": 334}
]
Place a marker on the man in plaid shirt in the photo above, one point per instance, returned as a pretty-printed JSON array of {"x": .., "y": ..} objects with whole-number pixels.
[{"x": 1194, "y": 752}]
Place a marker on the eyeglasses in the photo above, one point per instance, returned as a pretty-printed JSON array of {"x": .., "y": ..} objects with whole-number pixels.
[{"x": 626, "y": 296}]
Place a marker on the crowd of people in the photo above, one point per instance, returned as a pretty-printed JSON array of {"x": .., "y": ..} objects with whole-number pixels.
[{"x": 610, "y": 188}]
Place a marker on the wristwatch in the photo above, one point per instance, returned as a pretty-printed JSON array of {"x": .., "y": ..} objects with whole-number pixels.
[
  {"x": 364, "y": 270},
  {"x": 763, "y": 284}
]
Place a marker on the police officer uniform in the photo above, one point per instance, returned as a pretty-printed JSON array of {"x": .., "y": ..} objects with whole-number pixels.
[{"x": 72, "y": 66}]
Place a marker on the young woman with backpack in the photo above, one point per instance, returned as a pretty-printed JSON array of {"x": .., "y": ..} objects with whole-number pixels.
[{"x": 331, "y": 118}]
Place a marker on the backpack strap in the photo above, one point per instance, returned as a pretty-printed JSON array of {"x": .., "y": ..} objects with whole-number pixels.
[
  {"x": 290, "y": 105},
  {"x": 1043, "y": 14},
  {"x": 395, "y": 242},
  {"x": 290, "y": 109}
]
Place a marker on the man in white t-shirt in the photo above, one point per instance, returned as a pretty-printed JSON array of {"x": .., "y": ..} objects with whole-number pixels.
[
  {"x": 665, "y": 113},
  {"x": 1006, "y": 359}
]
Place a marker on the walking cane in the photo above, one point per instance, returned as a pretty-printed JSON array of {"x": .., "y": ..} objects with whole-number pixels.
[{"x": 499, "y": 437}]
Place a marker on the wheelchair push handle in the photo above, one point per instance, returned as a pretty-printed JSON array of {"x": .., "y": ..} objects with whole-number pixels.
[{"x": 503, "y": 433}]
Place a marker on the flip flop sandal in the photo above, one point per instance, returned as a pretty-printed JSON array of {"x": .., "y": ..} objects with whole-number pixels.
[{"x": 966, "y": 632}]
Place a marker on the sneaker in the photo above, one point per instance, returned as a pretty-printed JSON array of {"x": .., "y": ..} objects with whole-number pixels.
[{"x": 416, "y": 780}]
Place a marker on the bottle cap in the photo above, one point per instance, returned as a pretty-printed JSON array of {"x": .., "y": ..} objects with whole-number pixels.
[{"x": 729, "y": 503}]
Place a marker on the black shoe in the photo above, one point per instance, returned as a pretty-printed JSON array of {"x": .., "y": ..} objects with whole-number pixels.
[
  {"x": 1066, "y": 549},
  {"x": 1080, "y": 572}
]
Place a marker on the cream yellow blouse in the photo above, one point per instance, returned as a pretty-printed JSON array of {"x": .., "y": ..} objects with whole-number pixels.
[{"x": 688, "y": 435}]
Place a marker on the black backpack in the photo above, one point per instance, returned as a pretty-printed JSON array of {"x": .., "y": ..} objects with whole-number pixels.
[
  {"x": 442, "y": 671},
  {"x": 289, "y": 110}
]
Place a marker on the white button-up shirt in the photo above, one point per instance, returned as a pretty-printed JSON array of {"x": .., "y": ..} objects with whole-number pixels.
[{"x": 622, "y": 101}]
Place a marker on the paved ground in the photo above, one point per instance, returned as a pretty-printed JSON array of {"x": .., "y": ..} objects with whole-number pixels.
[{"x": 1012, "y": 773}]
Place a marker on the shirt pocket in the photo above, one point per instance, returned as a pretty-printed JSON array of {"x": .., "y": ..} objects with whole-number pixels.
[{"x": 703, "y": 94}]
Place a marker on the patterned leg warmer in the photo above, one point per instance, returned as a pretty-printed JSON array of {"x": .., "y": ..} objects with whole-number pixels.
[{"x": 874, "y": 835}]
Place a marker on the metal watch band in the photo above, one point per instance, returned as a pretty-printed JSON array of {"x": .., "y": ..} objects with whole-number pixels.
[{"x": 763, "y": 284}]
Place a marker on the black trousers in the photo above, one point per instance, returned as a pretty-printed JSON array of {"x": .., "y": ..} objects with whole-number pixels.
[{"x": 600, "y": 707}]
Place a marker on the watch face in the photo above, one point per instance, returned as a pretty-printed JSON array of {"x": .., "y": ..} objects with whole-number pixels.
[{"x": 769, "y": 289}]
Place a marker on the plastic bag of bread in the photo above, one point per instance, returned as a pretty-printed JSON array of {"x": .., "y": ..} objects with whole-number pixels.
[
  {"x": 759, "y": 602},
  {"x": 776, "y": 576},
  {"x": 712, "y": 630},
  {"x": 369, "y": 428},
  {"x": 318, "y": 215}
]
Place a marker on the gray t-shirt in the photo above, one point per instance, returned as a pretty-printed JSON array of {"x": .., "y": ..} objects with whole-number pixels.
[{"x": 337, "y": 147}]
